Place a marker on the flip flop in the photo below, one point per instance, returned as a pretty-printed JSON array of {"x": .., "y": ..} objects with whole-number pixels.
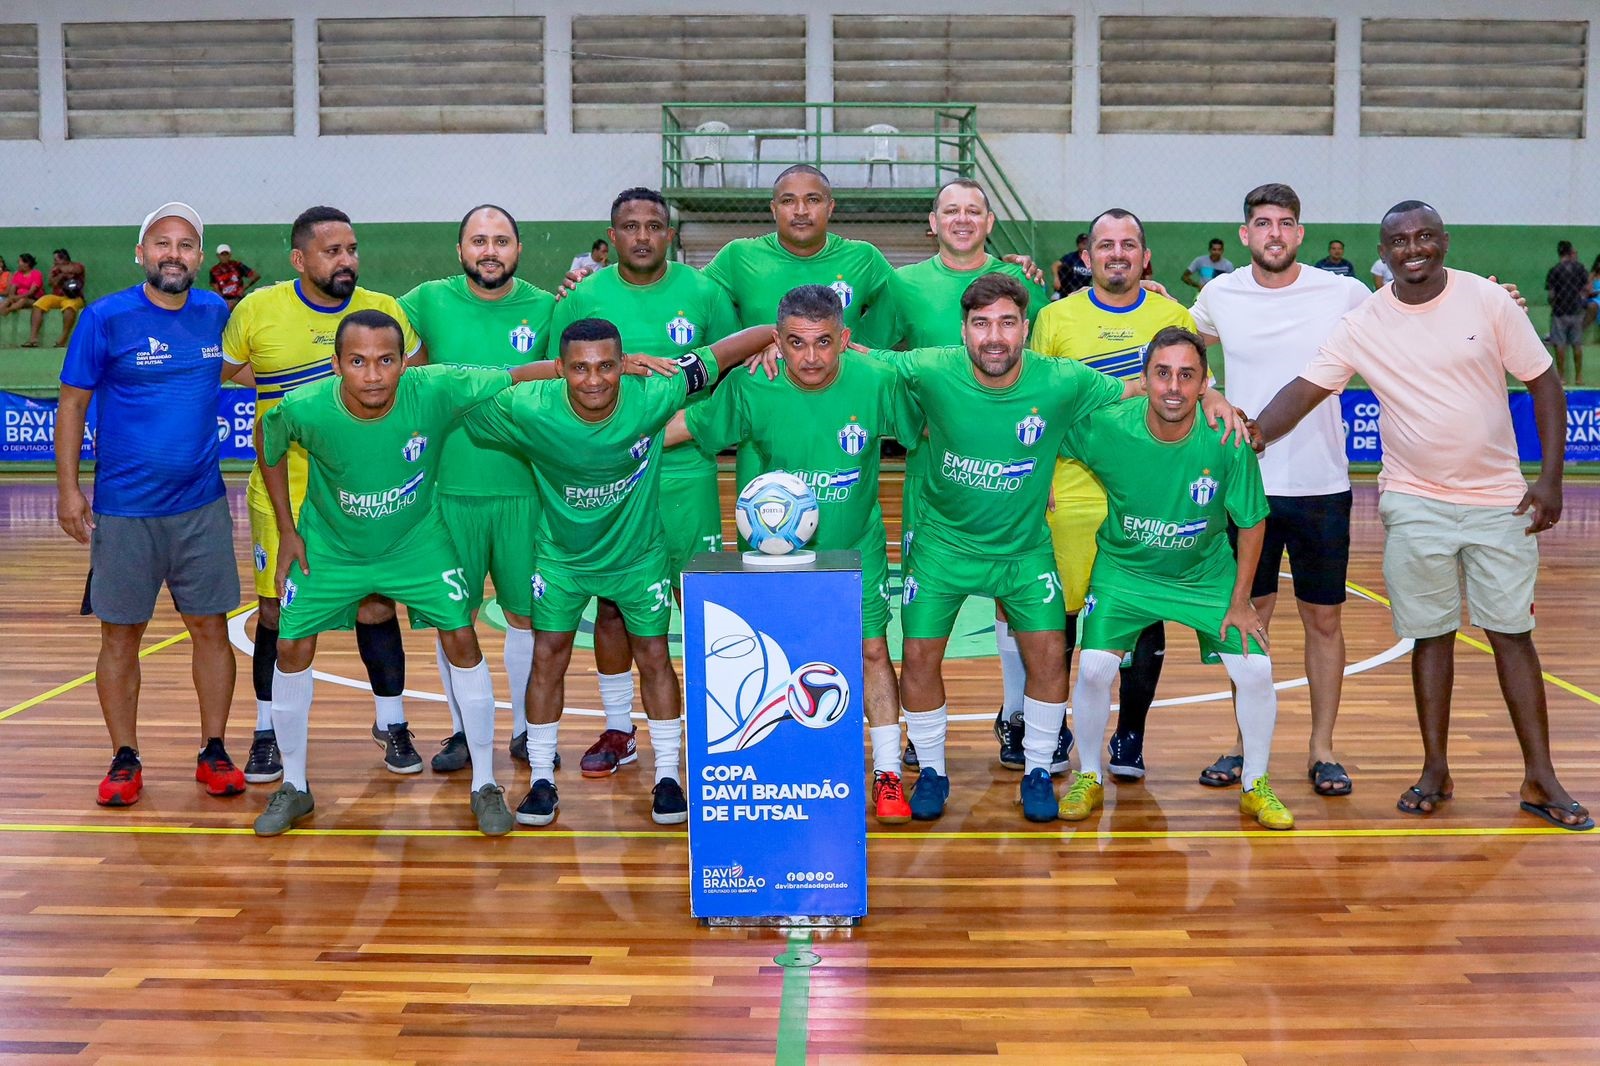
[
  {"x": 1330, "y": 773},
  {"x": 1434, "y": 798},
  {"x": 1223, "y": 773},
  {"x": 1547, "y": 812}
]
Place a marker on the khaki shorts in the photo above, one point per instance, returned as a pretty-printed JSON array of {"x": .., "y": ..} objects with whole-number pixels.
[{"x": 1430, "y": 545}]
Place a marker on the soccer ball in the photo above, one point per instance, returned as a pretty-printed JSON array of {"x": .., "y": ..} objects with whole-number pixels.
[
  {"x": 776, "y": 513},
  {"x": 818, "y": 695}
]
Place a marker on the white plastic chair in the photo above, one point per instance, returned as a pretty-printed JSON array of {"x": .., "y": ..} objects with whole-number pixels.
[
  {"x": 882, "y": 152},
  {"x": 705, "y": 151}
]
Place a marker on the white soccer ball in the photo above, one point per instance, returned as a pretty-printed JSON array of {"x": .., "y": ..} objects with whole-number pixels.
[{"x": 776, "y": 513}]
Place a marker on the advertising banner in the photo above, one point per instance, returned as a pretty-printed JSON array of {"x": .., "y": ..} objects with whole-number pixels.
[
  {"x": 1363, "y": 444},
  {"x": 28, "y": 427}
]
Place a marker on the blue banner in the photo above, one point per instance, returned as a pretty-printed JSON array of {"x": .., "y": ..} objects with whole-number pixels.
[
  {"x": 29, "y": 427},
  {"x": 777, "y": 816},
  {"x": 1363, "y": 444}
]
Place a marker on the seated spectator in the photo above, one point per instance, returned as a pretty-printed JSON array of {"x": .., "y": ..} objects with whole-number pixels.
[
  {"x": 1336, "y": 263},
  {"x": 1381, "y": 274},
  {"x": 1072, "y": 270},
  {"x": 25, "y": 286},
  {"x": 599, "y": 255},
  {"x": 231, "y": 278},
  {"x": 66, "y": 295},
  {"x": 1205, "y": 267},
  {"x": 1592, "y": 305},
  {"x": 5, "y": 278}
]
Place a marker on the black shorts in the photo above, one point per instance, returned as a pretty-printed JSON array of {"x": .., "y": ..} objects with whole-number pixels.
[{"x": 1316, "y": 532}]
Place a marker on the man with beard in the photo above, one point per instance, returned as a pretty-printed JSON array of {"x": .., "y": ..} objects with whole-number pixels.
[
  {"x": 486, "y": 316},
  {"x": 285, "y": 335},
  {"x": 153, "y": 353}
]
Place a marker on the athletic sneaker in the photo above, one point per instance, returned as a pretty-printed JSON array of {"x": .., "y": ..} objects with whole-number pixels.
[
  {"x": 452, "y": 755},
  {"x": 889, "y": 799},
  {"x": 1127, "y": 755},
  {"x": 265, "y": 762},
  {"x": 123, "y": 781},
  {"x": 1037, "y": 794},
  {"x": 284, "y": 808},
  {"x": 213, "y": 769},
  {"x": 1265, "y": 805},
  {"x": 399, "y": 753},
  {"x": 1061, "y": 761},
  {"x": 1082, "y": 798},
  {"x": 929, "y": 794},
  {"x": 909, "y": 756},
  {"x": 668, "y": 805},
  {"x": 489, "y": 806},
  {"x": 1008, "y": 731},
  {"x": 519, "y": 749},
  {"x": 614, "y": 748},
  {"x": 539, "y": 806}
]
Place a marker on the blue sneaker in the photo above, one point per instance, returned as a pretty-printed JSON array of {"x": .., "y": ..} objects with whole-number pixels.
[
  {"x": 1127, "y": 755},
  {"x": 1037, "y": 794},
  {"x": 928, "y": 795},
  {"x": 1061, "y": 761}
]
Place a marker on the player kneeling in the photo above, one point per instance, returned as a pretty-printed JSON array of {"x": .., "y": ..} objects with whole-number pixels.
[
  {"x": 369, "y": 528},
  {"x": 1163, "y": 556}
]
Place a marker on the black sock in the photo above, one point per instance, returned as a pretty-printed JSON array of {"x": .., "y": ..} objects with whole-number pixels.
[
  {"x": 384, "y": 656},
  {"x": 1139, "y": 679},
  {"x": 263, "y": 660},
  {"x": 1072, "y": 642}
]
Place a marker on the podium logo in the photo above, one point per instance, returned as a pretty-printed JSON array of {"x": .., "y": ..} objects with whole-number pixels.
[{"x": 750, "y": 688}]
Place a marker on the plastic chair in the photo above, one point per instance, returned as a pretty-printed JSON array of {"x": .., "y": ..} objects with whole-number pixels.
[
  {"x": 705, "y": 151},
  {"x": 882, "y": 152}
]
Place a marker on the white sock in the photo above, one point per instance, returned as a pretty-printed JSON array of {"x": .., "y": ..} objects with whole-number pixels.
[
  {"x": 263, "y": 714},
  {"x": 666, "y": 737},
  {"x": 616, "y": 698},
  {"x": 1256, "y": 708},
  {"x": 475, "y": 688},
  {"x": 1091, "y": 707},
  {"x": 291, "y": 720},
  {"x": 391, "y": 710},
  {"x": 542, "y": 752},
  {"x": 1012, "y": 674},
  {"x": 519, "y": 665},
  {"x": 926, "y": 731},
  {"x": 886, "y": 748},
  {"x": 1043, "y": 729},
  {"x": 450, "y": 698}
]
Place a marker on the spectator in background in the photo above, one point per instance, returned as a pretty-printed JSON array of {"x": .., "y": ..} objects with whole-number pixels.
[
  {"x": 5, "y": 278},
  {"x": 231, "y": 278},
  {"x": 1381, "y": 274},
  {"x": 1567, "y": 285},
  {"x": 1592, "y": 305},
  {"x": 66, "y": 295},
  {"x": 1336, "y": 263},
  {"x": 599, "y": 255},
  {"x": 26, "y": 285},
  {"x": 1205, "y": 267},
  {"x": 1072, "y": 270}
]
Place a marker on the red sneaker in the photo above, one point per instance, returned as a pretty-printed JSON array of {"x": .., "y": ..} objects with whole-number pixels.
[
  {"x": 614, "y": 748},
  {"x": 123, "y": 781},
  {"x": 213, "y": 769},
  {"x": 889, "y": 799}
]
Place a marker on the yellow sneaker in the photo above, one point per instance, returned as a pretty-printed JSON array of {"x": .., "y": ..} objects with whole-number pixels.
[
  {"x": 1082, "y": 798},
  {"x": 1262, "y": 802}
]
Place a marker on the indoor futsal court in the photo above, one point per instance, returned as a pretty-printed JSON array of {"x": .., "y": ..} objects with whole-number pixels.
[{"x": 1166, "y": 929}]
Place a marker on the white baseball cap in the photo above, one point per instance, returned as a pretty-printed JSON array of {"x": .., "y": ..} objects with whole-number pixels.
[
  {"x": 173, "y": 209},
  {"x": 223, "y": 248}
]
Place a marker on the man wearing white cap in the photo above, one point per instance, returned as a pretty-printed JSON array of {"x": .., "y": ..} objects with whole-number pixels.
[
  {"x": 153, "y": 353},
  {"x": 231, "y": 278}
]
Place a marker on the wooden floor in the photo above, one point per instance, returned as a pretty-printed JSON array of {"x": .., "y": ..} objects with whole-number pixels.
[{"x": 1166, "y": 930}]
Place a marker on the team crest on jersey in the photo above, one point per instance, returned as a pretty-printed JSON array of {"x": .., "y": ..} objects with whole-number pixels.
[
  {"x": 846, "y": 294},
  {"x": 640, "y": 448},
  {"x": 853, "y": 438},
  {"x": 1202, "y": 489},
  {"x": 1088, "y": 605},
  {"x": 414, "y": 448},
  {"x": 1030, "y": 429},
  {"x": 289, "y": 591},
  {"x": 538, "y": 586},
  {"x": 681, "y": 331},
  {"x": 522, "y": 338},
  {"x": 908, "y": 590},
  {"x": 261, "y": 559}
]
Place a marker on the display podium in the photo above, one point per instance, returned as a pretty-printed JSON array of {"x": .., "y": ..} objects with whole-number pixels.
[{"x": 776, "y": 761}]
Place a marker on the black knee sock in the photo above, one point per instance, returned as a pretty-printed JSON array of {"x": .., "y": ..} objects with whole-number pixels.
[
  {"x": 1139, "y": 679},
  {"x": 1072, "y": 642},
  {"x": 263, "y": 660},
  {"x": 384, "y": 656}
]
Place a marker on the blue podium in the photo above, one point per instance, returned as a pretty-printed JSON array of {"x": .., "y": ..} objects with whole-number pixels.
[{"x": 773, "y": 731}]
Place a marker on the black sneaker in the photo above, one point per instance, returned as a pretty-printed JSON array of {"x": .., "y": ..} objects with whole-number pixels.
[
  {"x": 519, "y": 749},
  {"x": 668, "y": 806},
  {"x": 1061, "y": 761},
  {"x": 452, "y": 755},
  {"x": 539, "y": 806},
  {"x": 399, "y": 753},
  {"x": 1008, "y": 731},
  {"x": 1127, "y": 755},
  {"x": 265, "y": 762},
  {"x": 910, "y": 755}
]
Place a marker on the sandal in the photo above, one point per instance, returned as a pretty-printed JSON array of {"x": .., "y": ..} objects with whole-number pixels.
[
  {"x": 1224, "y": 772},
  {"x": 1330, "y": 773},
  {"x": 1415, "y": 809},
  {"x": 1547, "y": 811}
]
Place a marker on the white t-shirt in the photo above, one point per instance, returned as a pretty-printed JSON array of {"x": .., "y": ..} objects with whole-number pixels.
[
  {"x": 1380, "y": 269},
  {"x": 1269, "y": 337}
]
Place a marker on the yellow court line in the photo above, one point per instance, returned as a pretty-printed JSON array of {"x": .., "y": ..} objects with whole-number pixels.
[
  {"x": 1473, "y": 642},
  {"x": 76, "y": 682}
]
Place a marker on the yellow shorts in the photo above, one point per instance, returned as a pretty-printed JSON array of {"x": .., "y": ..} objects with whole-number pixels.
[
  {"x": 53, "y": 302},
  {"x": 1073, "y": 525},
  {"x": 264, "y": 525}
]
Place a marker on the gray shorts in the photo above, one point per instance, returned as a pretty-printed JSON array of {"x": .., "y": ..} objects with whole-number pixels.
[
  {"x": 1566, "y": 331},
  {"x": 192, "y": 552}
]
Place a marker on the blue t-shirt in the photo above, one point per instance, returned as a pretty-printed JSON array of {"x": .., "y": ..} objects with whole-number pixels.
[{"x": 157, "y": 376}]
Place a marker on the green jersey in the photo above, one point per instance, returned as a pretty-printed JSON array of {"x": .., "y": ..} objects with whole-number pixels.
[
  {"x": 676, "y": 314},
  {"x": 828, "y": 437},
  {"x": 598, "y": 482},
  {"x": 372, "y": 480},
  {"x": 985, "y": 492},
  {"x": 925, "y": 299},
  {"x": 1168, "y": 503},
  {"x": 757, "y": 272},
  {"x": 463, "y": 330}
]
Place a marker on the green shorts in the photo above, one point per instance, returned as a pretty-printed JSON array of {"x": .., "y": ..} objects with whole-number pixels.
[
  {"x": 874, "y": 594},
  {"x": 691, "y": 514},
  {"x": 494, "y": 537},
  {"x": 937, "y": 581},
  {"x": 916, "y": 470},
  {"x": 643, "y": 593},
  {"x": 425, "y": 577},
  {"x": 1121, "y": 605}
]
